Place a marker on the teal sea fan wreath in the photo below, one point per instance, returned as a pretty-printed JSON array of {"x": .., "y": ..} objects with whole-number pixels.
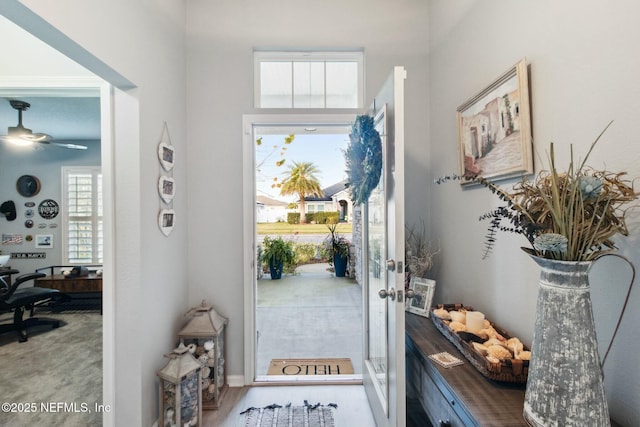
[{"x": 363, "y": 158}]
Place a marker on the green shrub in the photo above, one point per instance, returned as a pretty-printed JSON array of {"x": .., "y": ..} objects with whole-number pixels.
[
  {"x": 327, "y": 217},
  {"x": 293, "y": 217},
  {"x": 305, "y": 252},
  {"x": 309, "y": 217}
]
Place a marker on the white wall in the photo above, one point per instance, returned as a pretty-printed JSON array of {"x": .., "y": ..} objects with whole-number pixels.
[
  {"x": 45, "y": 164},
  {"x": 583, "y": 74},
  {"x": 220, "y": 41},
  {"x": 140, "y": 42}
]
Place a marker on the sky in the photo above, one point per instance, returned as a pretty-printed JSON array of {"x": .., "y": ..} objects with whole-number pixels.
[{"x": 324, "y": 151}]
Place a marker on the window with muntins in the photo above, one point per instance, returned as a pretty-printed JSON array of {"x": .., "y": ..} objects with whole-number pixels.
[
  {"x": 308, "y": 79},
  {"x": 83, "y": 224}
]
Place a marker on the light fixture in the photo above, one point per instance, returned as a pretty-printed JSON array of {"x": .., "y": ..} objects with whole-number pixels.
[
  {"x": 24, "y": 137},
  {"x": 20, "y": 135}
]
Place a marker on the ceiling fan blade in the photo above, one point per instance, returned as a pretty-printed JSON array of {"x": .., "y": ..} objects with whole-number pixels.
[
  {"x": 70, "y": 146},
  {"x": 38, "y": 137}
]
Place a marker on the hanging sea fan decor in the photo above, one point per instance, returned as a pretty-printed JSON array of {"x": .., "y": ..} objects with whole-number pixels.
[{"x": 363, "y": 158}]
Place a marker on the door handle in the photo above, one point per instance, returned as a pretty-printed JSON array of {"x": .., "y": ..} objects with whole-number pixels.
[
  {"x": 409, "y": 293},
  {"x": 391, "y": 293},
  {"x": 391, "y": 265}
]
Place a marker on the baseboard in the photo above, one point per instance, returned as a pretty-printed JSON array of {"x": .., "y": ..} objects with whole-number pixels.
[{"x": 235, "y": 380}]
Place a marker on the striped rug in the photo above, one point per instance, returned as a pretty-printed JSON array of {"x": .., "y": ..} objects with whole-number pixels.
[{"x": 289, "y": 415}]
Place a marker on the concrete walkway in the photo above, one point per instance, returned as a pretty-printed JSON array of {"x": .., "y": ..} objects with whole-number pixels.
[{"x": 312, "y": 314}]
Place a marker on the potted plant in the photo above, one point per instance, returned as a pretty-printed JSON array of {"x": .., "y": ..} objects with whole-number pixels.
[
  {"x": 277, "y": 253},
  {"x": 337, "y": 251}
]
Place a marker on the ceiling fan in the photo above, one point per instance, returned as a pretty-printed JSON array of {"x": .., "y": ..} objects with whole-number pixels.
[{"x": 20, "y": 135}]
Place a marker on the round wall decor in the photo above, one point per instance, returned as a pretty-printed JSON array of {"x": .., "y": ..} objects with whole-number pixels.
[
  {"x": 28, "y": 185},
  {"x": 48, "y": 209}
]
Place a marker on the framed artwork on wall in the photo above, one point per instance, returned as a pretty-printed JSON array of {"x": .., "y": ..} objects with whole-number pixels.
[
  {"x": 166, "y": 155},
  {"x": 166, "y": 221},
  {"x": 44, "y": 241},
  {"x": 423, "y": 296},
  {"x": 494, "y": 129},
  {"x": 166, "y": 188}
]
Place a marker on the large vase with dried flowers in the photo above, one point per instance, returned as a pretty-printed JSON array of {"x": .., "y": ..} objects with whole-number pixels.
[{"x": 569, "y": 218}]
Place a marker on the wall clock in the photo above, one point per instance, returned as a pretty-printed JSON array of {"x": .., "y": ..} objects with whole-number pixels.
[{"x": 28, "y": 185}]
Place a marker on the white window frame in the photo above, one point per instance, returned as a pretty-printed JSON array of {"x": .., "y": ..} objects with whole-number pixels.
[
  {"x": 260, "y": 56},
  {"x": 95, "y": 171}
]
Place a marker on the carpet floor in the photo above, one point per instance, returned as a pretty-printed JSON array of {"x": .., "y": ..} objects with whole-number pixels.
[{"x": 55, "y": 378}]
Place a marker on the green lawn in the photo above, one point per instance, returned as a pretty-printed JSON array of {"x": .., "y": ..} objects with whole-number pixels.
[{"x": 286, "y": 228}]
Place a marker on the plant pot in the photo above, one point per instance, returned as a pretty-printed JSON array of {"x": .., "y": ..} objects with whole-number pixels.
[
  {"x": 275, "y": 269},
  {"x": 565, "y": 383},
  {"x": 340, "y": 265}
]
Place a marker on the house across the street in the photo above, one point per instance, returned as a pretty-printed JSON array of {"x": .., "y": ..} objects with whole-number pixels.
[{"x": 336, "y": 197}]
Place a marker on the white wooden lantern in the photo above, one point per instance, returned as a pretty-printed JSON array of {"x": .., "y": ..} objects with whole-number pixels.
[
  {"x": 180, "y": 390},
  {"x": 204, "y": 335}
]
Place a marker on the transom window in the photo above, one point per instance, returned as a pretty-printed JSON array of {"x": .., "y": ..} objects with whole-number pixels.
[
  {"x": 308, "y": 79},
  {"x": 83, "y": 224}
]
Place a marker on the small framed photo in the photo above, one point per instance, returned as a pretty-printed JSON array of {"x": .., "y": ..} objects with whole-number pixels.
[
  {"x": 166, "y": 155},
  {"x": 166, "y": 221},
  {"x": 166, "y": 188},
  {"x": 494, "y": 129},
  {"x": 423, "y": 296},
  {"x": 44, "y": 241}
]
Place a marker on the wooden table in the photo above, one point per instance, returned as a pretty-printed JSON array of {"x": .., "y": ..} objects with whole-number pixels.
[
  {"x": 79, "y": 288},
  {"x": 457, "y": 396}
]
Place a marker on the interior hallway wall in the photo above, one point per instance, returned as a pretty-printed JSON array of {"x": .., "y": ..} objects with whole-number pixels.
[
  {"x": 582, "y": 76},
  {"x": 144, "y": 42}
]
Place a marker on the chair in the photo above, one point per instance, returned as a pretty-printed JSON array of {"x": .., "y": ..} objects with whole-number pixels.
[{"x": 12, "y": 298}]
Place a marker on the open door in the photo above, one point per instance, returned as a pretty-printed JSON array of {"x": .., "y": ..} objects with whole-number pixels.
[{"x": 383, "y": 266}]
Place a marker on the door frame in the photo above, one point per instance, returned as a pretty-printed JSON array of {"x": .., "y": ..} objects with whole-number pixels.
[
  {"x": 249, "y": 123},
  {"x": 89, "y": 86}
]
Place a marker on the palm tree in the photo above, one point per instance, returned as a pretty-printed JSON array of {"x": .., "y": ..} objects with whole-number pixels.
[{"x": 302, "y": 181}]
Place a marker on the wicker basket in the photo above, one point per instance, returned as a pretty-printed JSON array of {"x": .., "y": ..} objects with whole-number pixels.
[{"x": 508, "y": 370}]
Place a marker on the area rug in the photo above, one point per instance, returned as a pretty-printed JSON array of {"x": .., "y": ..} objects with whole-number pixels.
[
  {"x": 341, "y": 366},
  {"x": 275, "y": 415}
]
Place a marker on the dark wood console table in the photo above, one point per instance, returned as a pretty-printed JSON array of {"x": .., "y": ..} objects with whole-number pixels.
[
  {"x": 79, "y": 288},
  {"x": 457, "y": 396}
]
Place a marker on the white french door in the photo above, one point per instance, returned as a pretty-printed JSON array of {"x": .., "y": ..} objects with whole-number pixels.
[{"x": 383, "y": 235}]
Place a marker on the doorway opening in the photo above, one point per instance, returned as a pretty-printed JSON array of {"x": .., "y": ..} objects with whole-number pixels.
[{"x": 307, "y": 323}]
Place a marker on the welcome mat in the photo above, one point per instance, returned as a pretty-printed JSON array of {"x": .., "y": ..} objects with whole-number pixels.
[
  {"x": 290, "y": 416},
  {"x": 310, "y": 367}
]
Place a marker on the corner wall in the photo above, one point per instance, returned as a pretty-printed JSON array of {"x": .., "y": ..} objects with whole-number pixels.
[
  {"x": 140, "y": 42},
  {"x": 582, "y": 75}
]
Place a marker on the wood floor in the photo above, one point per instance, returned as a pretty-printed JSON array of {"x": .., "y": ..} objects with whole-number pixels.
[{"x": 353, "y": 407}]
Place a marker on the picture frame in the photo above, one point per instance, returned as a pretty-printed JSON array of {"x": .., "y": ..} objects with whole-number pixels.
[
  {"x": 166, "y": 221},
  {"x": 166, "y": 155},
  {"x": 421, "y": 302},
  {"x": 494, "y": 129},
  {"x": 166, "y": 188},
  {"x": 44, "y": 241}
]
